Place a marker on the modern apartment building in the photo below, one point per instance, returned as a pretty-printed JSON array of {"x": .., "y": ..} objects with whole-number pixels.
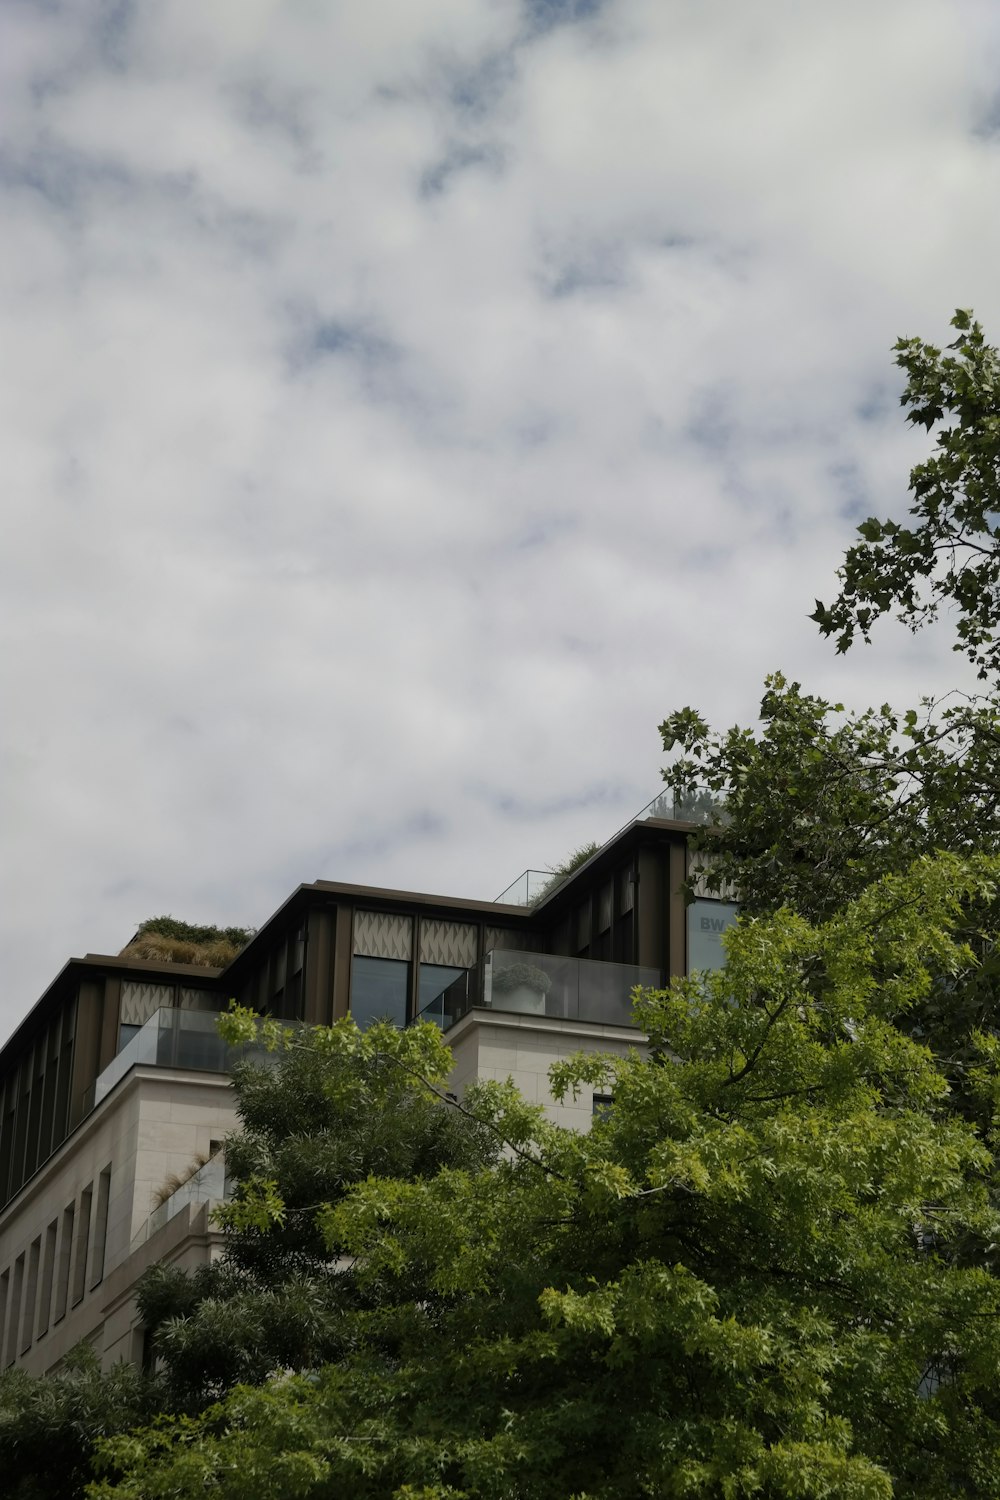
[{"x": 115, "y": 1085}]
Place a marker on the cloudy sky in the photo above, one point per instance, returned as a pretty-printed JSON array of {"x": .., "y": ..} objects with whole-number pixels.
[{"x": 405, "y": 403}]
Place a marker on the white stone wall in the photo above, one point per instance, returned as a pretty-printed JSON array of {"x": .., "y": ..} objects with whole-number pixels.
[
  {"x": 521, "y": 1047},
  {"x": 154, "y": 1123}
]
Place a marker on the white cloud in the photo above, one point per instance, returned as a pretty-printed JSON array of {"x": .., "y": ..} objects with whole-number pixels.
[{"x": 403, "y": 407}]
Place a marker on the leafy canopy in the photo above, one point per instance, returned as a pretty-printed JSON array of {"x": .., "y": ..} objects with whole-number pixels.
[
  {"x": 338, "y": 1105},
  {"x": 816, "y": 803},
  {"x": 762, "y": 1273},
  {"x": 335, "y": 1107},
  {"x": 949, "y": 550}
]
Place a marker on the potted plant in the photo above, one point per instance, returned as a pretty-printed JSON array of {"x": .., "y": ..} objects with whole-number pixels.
[{"x": 521, "y": 987}]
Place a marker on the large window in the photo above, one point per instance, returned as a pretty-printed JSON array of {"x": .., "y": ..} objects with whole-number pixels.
[{"x": 380, "y": 989}]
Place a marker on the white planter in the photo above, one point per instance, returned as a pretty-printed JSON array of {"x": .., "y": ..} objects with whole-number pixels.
[{"x": 525, "y": 1001}]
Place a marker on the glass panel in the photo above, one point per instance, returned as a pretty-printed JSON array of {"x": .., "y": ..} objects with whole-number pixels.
[
  {"x": 125, "y": 1035},
  {"x": 529, "y": 888},
  {"x": 695, "y": 806},
  {"x": 173, "y": 1038},
  {"x": 454, "y": 1002},
  {"x": 209, "y": 1184},
  {"x": 545, "y": 984},
  {"x": 707, "y": 921},
  {"x": 578, "y": 989},
  {"x": 379, "y": 990},
  {"x": 433, "y": 980}
]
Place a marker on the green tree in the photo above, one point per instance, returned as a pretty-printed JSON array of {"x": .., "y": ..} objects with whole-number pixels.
[
  {"x": 336, "y": 1106},
  {"x": 48, "y": 1428},
  {"x": 948, "y": 552},
  {"x": 763, "y": 1273},
  {"x": 816, "y": 803}
]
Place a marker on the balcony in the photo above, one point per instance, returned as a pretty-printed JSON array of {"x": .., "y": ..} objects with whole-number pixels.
[
  {"x": 544, "y": 984},
  {"x": 210, "y": 1184},
  {"x": 534, "y": 886},
  {"x": 173, "y": 1038}
]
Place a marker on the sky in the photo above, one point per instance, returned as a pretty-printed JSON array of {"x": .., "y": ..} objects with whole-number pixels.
[{"x": 404, "y": 406}]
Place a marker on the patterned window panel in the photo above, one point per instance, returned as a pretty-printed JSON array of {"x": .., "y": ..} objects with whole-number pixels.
[
  {"x": 508, "y": 939},
  {"x": 449, "y": 943},
  {"x": 379, "y": 934},
  {"x": 141, "y": 1000},
  {"x": 190, "y": 999}
]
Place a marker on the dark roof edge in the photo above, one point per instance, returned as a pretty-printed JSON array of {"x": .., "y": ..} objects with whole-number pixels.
[
  {"x": 304, "y": 895},
  {"x": 97, "y": 963}
]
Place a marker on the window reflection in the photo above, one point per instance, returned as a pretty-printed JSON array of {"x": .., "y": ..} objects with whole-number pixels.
[
  {"x": 433, "y": 979},
  {"x": 707, "y": 921},
  {"x": 379, "y": 990}
]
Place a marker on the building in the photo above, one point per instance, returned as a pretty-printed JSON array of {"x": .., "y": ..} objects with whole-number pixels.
[{"x": 114, "y": 1091}]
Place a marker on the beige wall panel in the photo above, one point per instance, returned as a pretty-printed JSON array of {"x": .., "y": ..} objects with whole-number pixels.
[{"x": 524, "y": 1048}]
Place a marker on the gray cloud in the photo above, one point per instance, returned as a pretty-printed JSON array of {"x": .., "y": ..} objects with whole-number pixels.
[{"x": 403, "y": 407}]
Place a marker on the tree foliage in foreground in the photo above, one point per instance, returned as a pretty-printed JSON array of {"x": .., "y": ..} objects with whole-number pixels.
[
  {"x": 765, "y": 1272},
  {"x": 335, "y": 1109},
  {"x": 817, "y": 803},
  {"x": 48, "y": 1427},
  {"x": 338, "y": 1107},
  {"x": 948, "y": 552}
]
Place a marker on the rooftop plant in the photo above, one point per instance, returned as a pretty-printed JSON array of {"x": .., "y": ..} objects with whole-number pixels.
[{"x": 167, "y": 940}]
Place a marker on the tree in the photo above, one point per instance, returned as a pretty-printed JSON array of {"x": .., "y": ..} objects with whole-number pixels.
[
  {"x": 949, "y": 552},
  {"x": 335, "y": 1107},
  {"x": 810, "y": 808},
  {"x": 764, "y": 1272},
  {"x": 48, "y": 1428},
  {"x": 816, "y": 803}
]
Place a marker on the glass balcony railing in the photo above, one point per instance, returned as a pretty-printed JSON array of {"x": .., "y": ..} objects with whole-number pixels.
[
  {"x": 530, "y": 887},
  {"x": 544, "y": 984},
  {"x": 534, "y": 886},
  {"x": 210, "y": 1184},
  {"x": 694, "y": 807},
  {"x": 173, "y": 1038}
]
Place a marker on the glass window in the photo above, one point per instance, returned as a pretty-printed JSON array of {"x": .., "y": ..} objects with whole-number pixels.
[
  {"x": 125, "y": 1035},
  {"x": 432, "y": 979},
  {"x": 380, "y": 990},
  {"x": 707, "y": 921}
]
